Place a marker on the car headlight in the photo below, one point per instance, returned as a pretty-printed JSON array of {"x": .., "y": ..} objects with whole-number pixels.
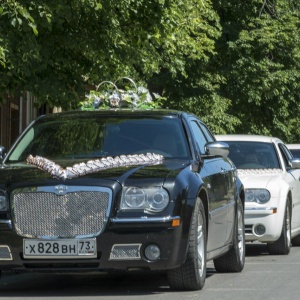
[
  {"x": 152, "y": 199},
  {"x": 261, "y": 196},
  {"x": 3, "y": 201}
]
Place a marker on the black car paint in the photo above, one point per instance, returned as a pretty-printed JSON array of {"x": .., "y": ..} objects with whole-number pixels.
[{"x": 184, "y": 186}]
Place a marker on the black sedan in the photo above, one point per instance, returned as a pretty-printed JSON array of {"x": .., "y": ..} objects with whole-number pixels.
[{"x": 121, "y": 190}]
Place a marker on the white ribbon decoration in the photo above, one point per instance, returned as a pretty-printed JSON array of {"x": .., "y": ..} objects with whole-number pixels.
[{"x": 92, "y": 166}]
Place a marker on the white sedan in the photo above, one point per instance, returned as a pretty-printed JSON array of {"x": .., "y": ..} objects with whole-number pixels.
[{"x": 270, "y": 176}]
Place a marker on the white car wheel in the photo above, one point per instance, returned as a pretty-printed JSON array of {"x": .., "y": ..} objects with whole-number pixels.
[{"x": 283, "y": 244}]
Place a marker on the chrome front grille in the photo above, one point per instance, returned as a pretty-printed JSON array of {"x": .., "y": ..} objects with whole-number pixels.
[{"x": 75, "y": 212}]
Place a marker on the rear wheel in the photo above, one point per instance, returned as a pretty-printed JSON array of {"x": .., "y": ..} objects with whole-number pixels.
[
  {"x": 296, "y": 240},
  {"x": 234, "y": 260},
  {"x": 191, "y": 274},
  {"x": 283, "y": 244}
]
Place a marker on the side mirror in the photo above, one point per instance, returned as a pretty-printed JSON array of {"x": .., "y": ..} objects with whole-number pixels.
[
  {"x": 217, "y": 149},
  {"x": 2, "y": 152},
  {"x": 295, "y": 163}
]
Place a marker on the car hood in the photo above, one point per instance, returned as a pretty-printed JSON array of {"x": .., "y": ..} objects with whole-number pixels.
[
  {"x": 21, "y": 174},
  {"x": 259, "y": 178}
]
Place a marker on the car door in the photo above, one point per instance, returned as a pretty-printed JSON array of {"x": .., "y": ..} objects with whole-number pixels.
[
  {"x": 292, "y": 176},
  {"x": 213, "y": 173}
]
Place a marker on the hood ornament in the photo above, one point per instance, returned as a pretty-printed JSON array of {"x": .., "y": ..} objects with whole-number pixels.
[
  {"x": 92, "y": 166},
  {"x": 61, "y": 189}
]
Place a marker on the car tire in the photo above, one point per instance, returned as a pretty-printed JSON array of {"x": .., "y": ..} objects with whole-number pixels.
[
  {"x": 234, "y": 259},
  {"x": 283, "y": 244},
  {"x": 296, "y": 240},
  {"x": 191, "y": 274}
]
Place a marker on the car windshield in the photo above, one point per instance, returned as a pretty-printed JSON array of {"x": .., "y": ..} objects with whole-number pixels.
[
  {"x": 93, "y": 137},
  {"x": 253, "y": 155},
  {"x": 295, "y": 152}
]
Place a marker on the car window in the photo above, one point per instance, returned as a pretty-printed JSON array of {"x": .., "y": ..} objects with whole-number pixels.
[
  {"x": 295, "y": 153},
  {"x": 199, "y": 136},
  {"x": 100, "y": 137},
  {"x": 286, "y": 155},
  {"x": 253, "y": 155},
  {"x": 208, "y": 134}
]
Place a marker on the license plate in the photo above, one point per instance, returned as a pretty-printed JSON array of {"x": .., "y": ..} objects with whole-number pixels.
[{"x": 65, "y": 248}]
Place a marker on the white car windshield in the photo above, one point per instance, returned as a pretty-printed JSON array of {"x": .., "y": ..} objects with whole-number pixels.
[
  {"x": 253, "y": 155},
  {"x": 295, "y": 152}
]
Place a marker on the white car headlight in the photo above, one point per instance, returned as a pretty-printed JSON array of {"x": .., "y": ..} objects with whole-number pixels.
[
  {"x": 261, "y": 196},
  {"x": 152, "y": 199},
  {"x": 3, "y": 201}
]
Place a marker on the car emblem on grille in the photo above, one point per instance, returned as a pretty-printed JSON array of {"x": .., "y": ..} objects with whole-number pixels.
[{"x": 61, "y": 189}]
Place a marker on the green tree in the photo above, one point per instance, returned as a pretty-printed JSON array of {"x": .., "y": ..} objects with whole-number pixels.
[
  {"x": 197, "y": 88},
  {"x": 54, "y": 49},
  {"x": 259, "y": 55}
]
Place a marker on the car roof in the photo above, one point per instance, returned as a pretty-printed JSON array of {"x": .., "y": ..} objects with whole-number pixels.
[
  {"x": 247, "y": 138},
  {"x": 116, "y": 113},
  {"x": 293, "y": 146}
]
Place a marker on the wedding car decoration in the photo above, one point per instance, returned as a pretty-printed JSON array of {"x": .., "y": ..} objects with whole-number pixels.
[
  {"x": 112, "y": 96},
  {"x": 139, "y": 211},
  {"x": 92, "y": 166}
]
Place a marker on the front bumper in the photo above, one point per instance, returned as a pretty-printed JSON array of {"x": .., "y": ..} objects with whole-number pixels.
[
  {"x": 262, "y": 224},
  {"x": 120, "y": 247}
]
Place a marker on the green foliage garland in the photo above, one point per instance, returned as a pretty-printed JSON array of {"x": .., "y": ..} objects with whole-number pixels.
[{"x": 113, "y": 97}]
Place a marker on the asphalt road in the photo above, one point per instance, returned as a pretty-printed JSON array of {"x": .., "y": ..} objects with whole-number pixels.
[{"x": 264, "y": 277}]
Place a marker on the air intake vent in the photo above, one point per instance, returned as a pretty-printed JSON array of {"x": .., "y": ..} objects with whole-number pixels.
[
  {"x": 125, "y": 251},
  {"x": 5, "y": 253}
]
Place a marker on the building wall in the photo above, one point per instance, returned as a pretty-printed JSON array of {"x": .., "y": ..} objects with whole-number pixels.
[{"x": 16, "y": 112}]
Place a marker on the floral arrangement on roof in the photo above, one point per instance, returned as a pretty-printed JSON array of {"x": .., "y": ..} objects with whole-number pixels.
[{"x": 113, "y": 97}]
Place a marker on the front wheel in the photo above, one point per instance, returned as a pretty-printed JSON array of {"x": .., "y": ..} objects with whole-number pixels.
[
  {"x": 234, "y": 260},
  {"x": 283, "y": 244},
  {"x": 191, "y": 274}
]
